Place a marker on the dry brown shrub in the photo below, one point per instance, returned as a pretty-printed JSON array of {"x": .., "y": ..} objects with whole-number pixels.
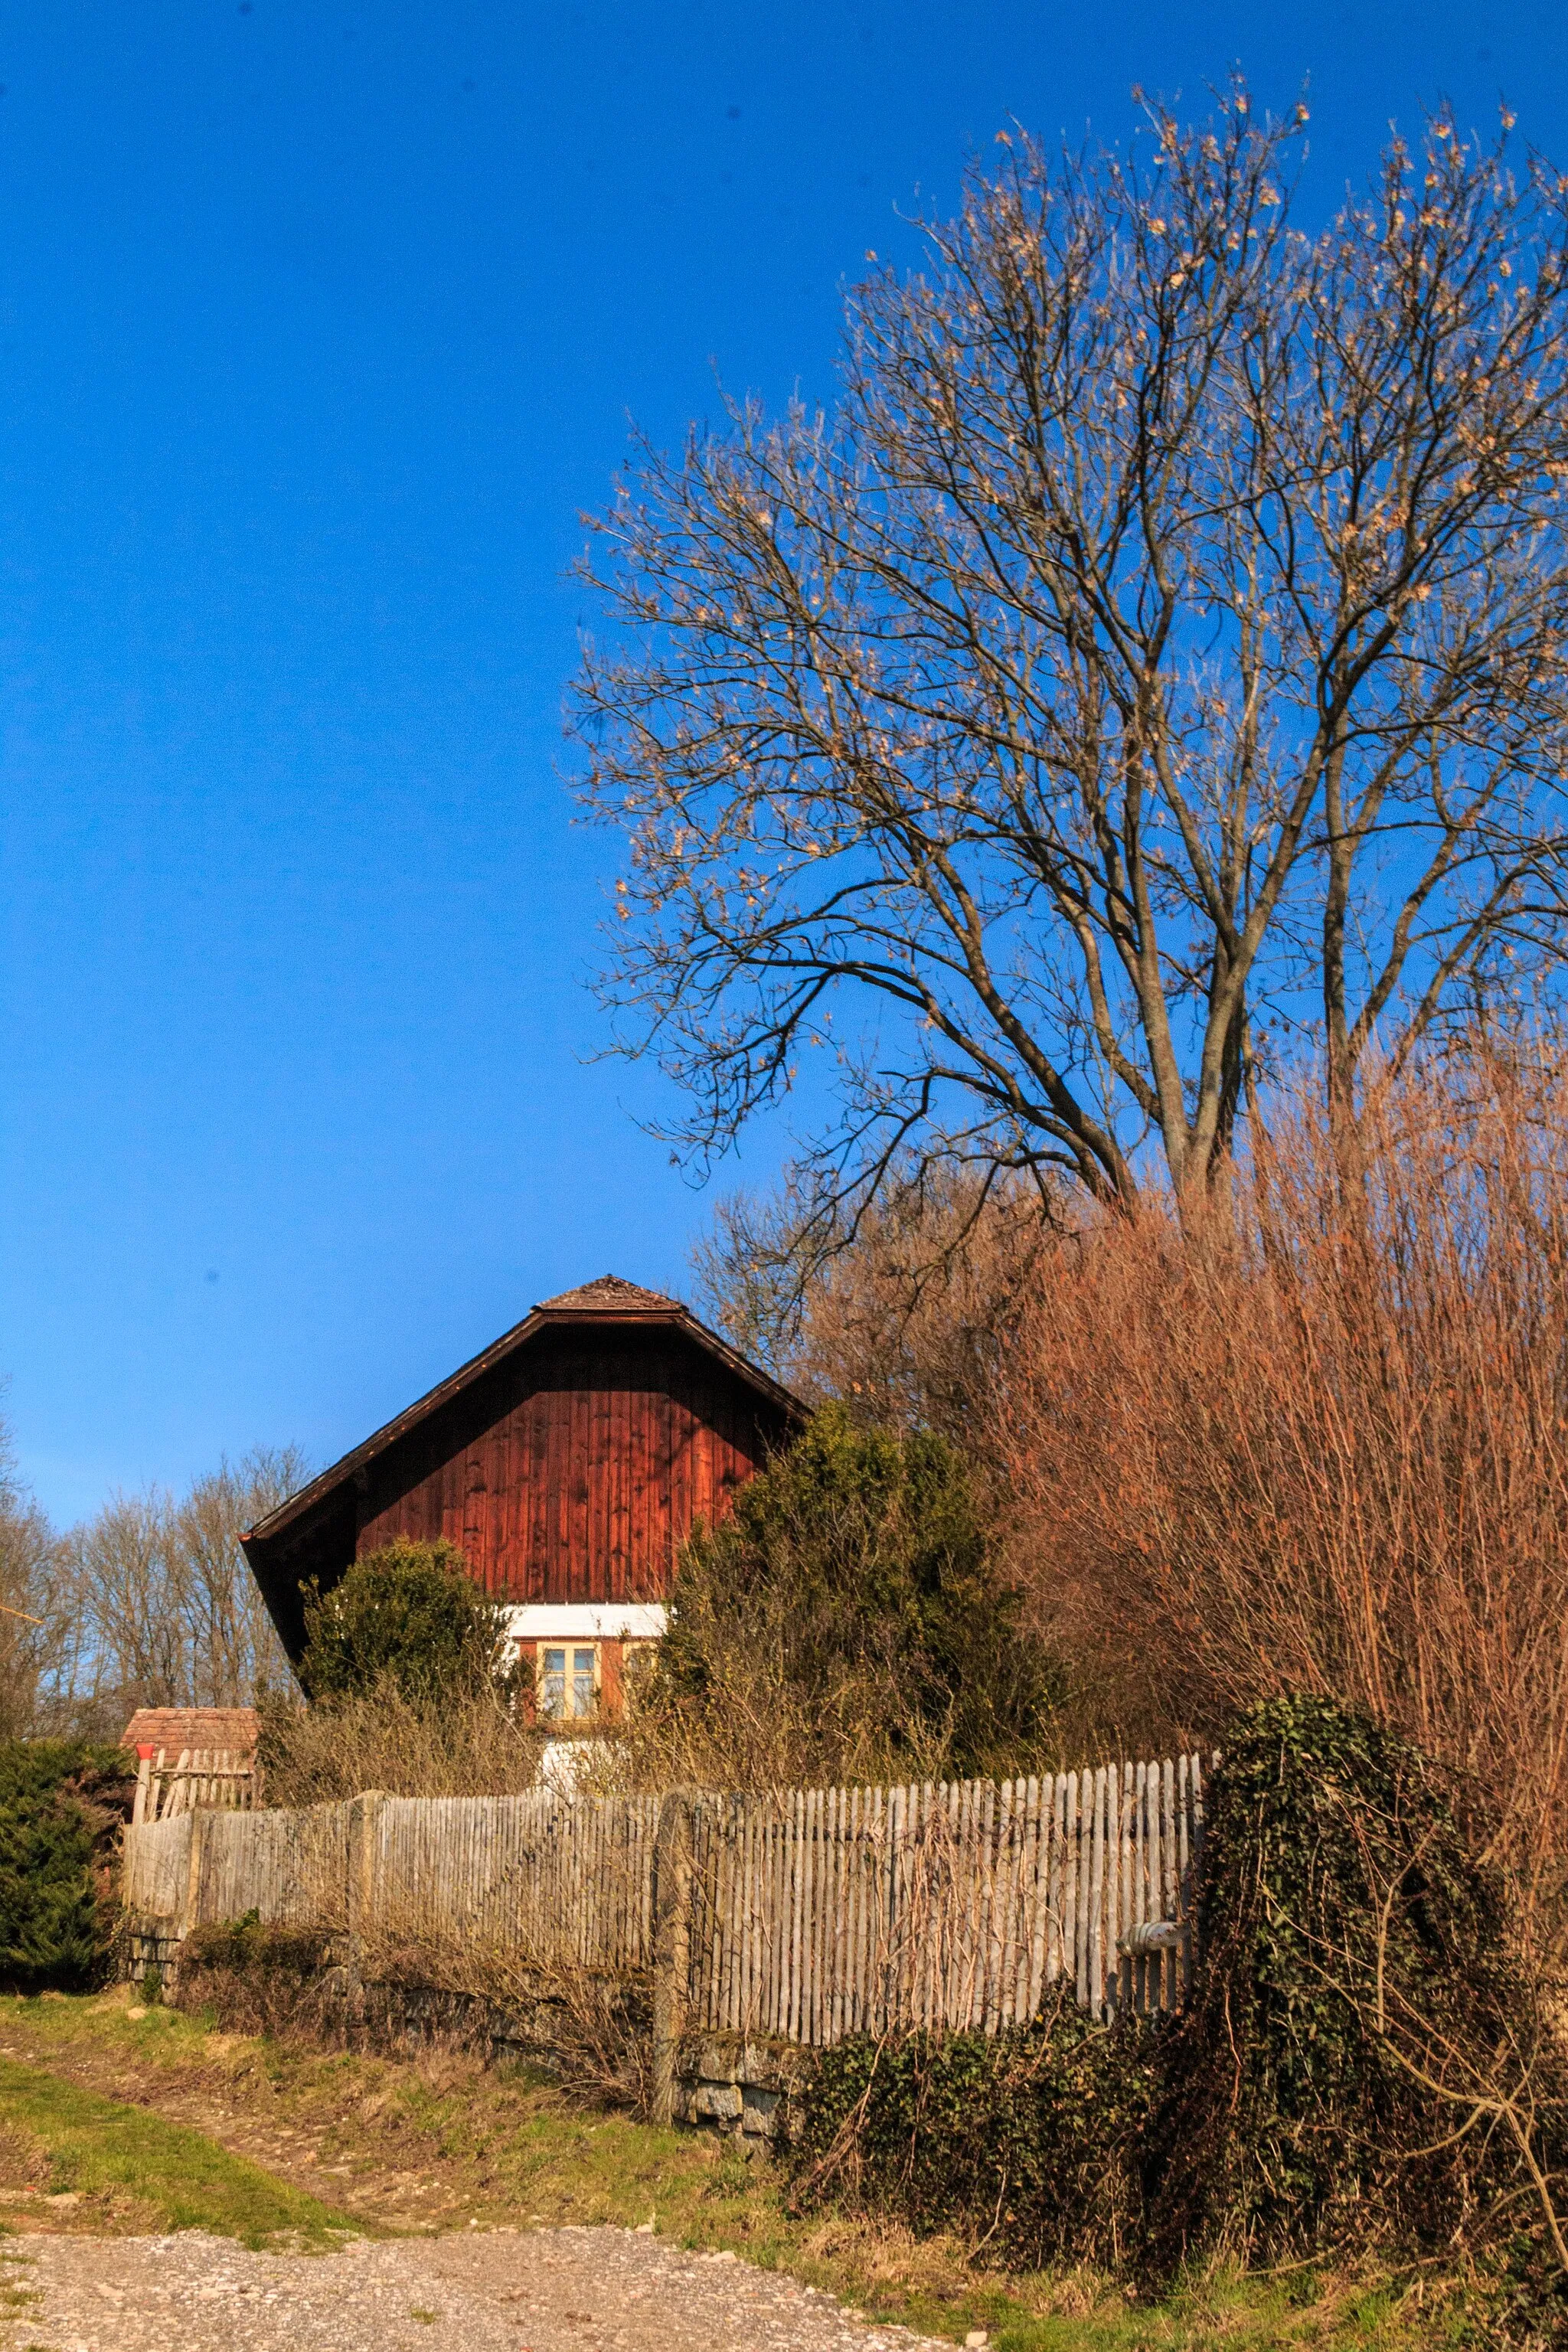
[
  {"x": 466, "y": 1746},
  {"x": 1322, "y": 1446},
  {"x": 590, "y": 2030},
  {"x": 751, "y": 1731},
  {"x": 902, "y": 1320}
]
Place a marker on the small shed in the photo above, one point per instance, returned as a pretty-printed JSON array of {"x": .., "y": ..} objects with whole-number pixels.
[
  {"x": 189, "y": 1756},
  {"x": 567, "y": 1462}
]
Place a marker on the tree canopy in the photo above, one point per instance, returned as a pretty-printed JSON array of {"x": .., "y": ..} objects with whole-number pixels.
[{"x": 1154, "y": 659}]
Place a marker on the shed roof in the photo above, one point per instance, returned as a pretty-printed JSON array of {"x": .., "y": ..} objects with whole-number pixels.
[{"x": 178, "y": 1727}]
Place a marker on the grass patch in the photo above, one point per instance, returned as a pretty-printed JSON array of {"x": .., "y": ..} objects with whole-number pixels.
[
  {"x": 118, "y": 2161},
  {"x": 436, "y": 2141}
]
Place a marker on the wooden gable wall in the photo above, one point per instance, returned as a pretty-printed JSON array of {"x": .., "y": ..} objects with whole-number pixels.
[{"x": 574, "y": 1470}]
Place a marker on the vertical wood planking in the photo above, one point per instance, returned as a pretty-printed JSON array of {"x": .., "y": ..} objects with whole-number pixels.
[
  {"x": 808, "y": 1919},
  {"x": 1170, "y": 1882},
  {"x": 1033, "y": 1885},
  {"x": 1184, "y": 1862},
  {"x": 823, "y": 1913},
  {"x": 885, "y": 2013},
  {"x": 795, "y": 2008}
]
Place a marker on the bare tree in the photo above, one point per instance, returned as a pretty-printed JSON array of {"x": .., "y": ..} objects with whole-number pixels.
[
  {"x": 37, "y": 1630},
  {"x": 168, "y": 1609},
  {"x": 233, "y": 1639},
  {"x": 902, "y": 1322},
  {"x": 1158, "y": 654}
]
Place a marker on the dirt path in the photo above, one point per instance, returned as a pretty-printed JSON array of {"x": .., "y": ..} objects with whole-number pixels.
[
  {"x": 374, "y": 2187},
  {"x": 589, "y": 2290}
]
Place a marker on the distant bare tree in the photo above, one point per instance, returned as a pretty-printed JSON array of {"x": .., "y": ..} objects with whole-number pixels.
[
  {"x": 1161, "y": 649},
  {"x": 231, "y": 1636},
  {"x": 169, "y": 1611},
  {"x": 901, "y": 1323},
  {"x": 36, "y": 1628}
]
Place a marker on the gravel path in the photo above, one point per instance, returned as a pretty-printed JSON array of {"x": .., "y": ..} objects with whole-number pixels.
[{"x": 599, "y": 2290}]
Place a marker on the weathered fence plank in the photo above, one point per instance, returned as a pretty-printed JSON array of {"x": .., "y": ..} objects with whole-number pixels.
[
  {"x": 198, "y": 1777},
  {"x": 808, "y": 1917}
]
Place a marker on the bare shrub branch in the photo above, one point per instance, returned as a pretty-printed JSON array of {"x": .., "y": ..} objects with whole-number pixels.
[
  {"x": 469, "y": 1744},
  {"x": 1328, "y": 1451}
]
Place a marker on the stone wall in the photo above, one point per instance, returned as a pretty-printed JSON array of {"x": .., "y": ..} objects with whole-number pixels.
[
  {"x": 738, "y": 2087},
  {"x": 150, "y": 1947},
  {"x": 723, "y": 2083}
]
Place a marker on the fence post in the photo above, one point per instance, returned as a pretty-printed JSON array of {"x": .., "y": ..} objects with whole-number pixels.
[
  {"x": 191, "y": 1915},
  {"x": 671, "y": 1944},
  {"x": 360, "y": 1903}
]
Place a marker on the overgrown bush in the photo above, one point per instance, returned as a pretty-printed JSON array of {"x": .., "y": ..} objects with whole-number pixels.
[
  {"x": 408, "y": 1615},
  {"x": 591, "y": 2033},
  {"x": 848, "y": 1620},
  {"x": 1363, "y": 2058},
  {"x": 1363, "y": 2065},
  {"x": 252, "y": 1979},
  {"x": 62, "y": 1805},
  {"x": 1322, "y": 1444},
  {"x": 467, "y": 1744},
  {"x": 1028, "y": 2143}
]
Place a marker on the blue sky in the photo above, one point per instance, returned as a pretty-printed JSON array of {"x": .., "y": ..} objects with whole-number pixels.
[{"x": 320, "y": 327}]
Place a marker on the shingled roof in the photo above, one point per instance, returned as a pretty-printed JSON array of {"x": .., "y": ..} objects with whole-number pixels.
[
  {"x": 610, "y": 1294},
  {"x": 175, "y": 1729}
]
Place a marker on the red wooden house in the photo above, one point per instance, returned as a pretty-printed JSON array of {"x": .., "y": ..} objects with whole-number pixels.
[{"x": 567, "y": 1463}]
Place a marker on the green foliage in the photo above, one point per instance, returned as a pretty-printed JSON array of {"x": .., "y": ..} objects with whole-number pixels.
[
  {"x": 1030, "y": 2141},
  {"x": 856, "y": 1571},
  {"x": 61, "y": 1802},
  {"x": 408, "y": 1615},
  {"x": 1357, "y": 2006},
  {"x": 1362, "y": 2067}
]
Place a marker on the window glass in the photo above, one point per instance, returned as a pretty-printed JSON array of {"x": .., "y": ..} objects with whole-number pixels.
[{"x": 568, "y": 1681}]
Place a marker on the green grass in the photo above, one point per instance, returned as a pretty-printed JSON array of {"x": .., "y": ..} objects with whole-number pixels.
[
  {"x": 501, "y": 2147},
  {"x": 105, "y": 2151}
]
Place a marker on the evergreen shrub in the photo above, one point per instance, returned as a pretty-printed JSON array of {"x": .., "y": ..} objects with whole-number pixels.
[
  {"x": 854, "y": 1591},
  {"x": 409, "y": 1615},
  {"x": 62, "y": 1805}
]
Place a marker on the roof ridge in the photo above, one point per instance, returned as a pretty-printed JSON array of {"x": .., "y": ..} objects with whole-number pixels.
[{"x": 610, "y": 1291}]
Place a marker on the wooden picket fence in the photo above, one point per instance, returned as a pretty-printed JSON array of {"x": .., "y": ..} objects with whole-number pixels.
[
  {"x": 198, "y": 1777},
  {"x": 568, "y": 1880},
  {"x": 962, "y": 1905},
  {"x": 804, "y": 1917}
]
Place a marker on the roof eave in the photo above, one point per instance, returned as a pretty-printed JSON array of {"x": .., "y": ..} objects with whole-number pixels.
[{"x": 328, "y": 1482}]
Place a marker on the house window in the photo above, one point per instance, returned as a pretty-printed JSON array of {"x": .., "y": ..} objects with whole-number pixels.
[{"x": 569, "y": 1680}]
